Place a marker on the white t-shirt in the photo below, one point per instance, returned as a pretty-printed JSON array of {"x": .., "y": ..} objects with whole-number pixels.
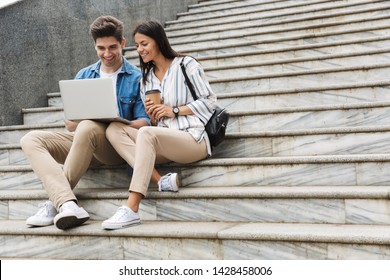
[{"x": 112, "y": 76}]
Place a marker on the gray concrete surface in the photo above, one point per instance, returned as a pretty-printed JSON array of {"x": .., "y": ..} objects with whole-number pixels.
[{"x": 44, "y": 41}]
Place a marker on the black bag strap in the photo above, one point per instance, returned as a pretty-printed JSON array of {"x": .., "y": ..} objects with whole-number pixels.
[{"x": 189, "y": 84}]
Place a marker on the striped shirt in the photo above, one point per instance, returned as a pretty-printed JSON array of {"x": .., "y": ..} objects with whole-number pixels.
[{"x": 175, "y": 92}]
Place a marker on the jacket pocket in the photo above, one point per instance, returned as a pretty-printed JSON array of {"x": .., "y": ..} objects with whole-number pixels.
[{"x": 127, "y": 105}]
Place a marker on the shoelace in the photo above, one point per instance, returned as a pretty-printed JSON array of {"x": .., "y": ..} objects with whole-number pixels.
[
  {"x": 65, "y": 207},
  {"x": 119, "y": 213},
  {"x": 43, "y": 209},
  {"x": 165, "y": 183}
]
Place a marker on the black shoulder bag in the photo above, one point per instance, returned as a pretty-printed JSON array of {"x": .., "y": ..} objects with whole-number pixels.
[{"x": 216, "y": 126}]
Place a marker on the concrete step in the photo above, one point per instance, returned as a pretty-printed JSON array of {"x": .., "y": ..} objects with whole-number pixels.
[
  {"x": 301, "y": 96},
  {"x": 11, "y": 154},
  {"x": 288, "y": 43},
  {"x": 294, "y": 11},
  {"x": 44, "y": 115},
  {"x": 377, "y": 91},
  {"x": 319, "y": 77},
  {"x": 298, "y": 142},
  {"x": 231, "y": 25},
  {"x": 280, "y": 118},
  {"x": 13, "y": 134},
  {"x": 313, "y": 8},
  {"x": 219, "y": 6},
  {"x": 334, "y": 24},
  {"x": 207, "y": 4},
  {"x": 345, "y": 59},
  {"x": 22, "y": 177},
  {"x": 306, "y": 142},
  {"x": 326, "y": 116},
  {"x": 254, "y": 39},
  {"x": 300, "y": 51},
  {"x": 276, "y": 204},
  {"x": 289, "y": 52},
  {"x": 325, "y": 170},
  {"x": 197, "y": 240},
  {"x": 54, "y": 99}
]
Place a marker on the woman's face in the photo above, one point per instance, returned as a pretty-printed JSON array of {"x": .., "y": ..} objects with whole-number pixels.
[{"x": 146, "y": 47}]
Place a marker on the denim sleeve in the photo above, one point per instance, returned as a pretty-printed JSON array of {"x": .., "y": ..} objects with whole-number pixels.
[
  {"x": 86, "y": 73},
  {"x": 80, "y": 75}
]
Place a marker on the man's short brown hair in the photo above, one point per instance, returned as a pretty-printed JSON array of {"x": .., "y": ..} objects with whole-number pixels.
[{"x": 107, "y": 26}]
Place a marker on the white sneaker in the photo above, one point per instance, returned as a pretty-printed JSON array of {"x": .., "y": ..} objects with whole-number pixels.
[
  {"x": 70, "y": 215},
  {"x": 44, "y": 216},
  {"x": 169, "y": 183},
  {"x": 123, "y": 217}
]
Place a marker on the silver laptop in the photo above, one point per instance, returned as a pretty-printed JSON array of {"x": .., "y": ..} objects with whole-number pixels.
[{"x": 90, "y": 99}]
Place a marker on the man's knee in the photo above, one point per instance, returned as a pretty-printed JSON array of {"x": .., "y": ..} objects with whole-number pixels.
[
  {"x": 88, "y": 125},
  {"x": 30, "y": 139},
  {"x": 89, "y": 130},
  {"x": 117, "y": 131},
  {"x": 113, "y": 129}
]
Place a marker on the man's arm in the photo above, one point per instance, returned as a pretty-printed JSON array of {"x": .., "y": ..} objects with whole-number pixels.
[{"x": 139, "y": 123}]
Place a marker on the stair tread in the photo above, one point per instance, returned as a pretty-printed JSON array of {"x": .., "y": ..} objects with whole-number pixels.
[
  {"x": 309, "y": 159},
  {"x": 229, "y": 192},
  {"x": 348, "y": 158},
  {"x": 31, "y": 126},
  {"x": 229, "y": 35},
  {"x": 340, "y": 106},
  {"x": 282, "y": 133},
  {"x": 321, "y": 70},
  {"x": 357, "y": 234},
  {"x": 378, "y": 83},
  {"x": 275, "y": 50},
  {"x": 42, "y": 109},
  {"x": 225, "y": 45},
  {"x": 290, "y": 48},
  {"x": 252, "y": 22},
  {"x": 271, "y": 15},
  {"x": 297, "y": 59}
]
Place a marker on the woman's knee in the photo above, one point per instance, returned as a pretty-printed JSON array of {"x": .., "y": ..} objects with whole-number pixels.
[
  {"x": 113, "y": 129},
  {"x": 146, "y": 133}
]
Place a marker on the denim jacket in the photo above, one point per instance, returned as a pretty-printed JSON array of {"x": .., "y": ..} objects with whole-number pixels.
[{"x": 130, "y": 103}]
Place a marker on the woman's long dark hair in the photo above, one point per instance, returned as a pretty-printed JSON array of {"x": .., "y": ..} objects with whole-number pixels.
[{"x": 153, "y": 29}]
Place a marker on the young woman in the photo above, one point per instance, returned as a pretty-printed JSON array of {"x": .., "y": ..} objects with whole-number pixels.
[{"x": 178, "y": 132}]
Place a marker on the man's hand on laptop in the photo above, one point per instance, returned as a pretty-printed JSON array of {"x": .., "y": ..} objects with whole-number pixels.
[{"x": 71, "y": 125}]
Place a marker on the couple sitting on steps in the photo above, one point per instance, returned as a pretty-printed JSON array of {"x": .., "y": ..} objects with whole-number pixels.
[{"x": 60, "y": 159}]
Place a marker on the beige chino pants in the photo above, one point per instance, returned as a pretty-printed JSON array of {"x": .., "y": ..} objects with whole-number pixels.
[
  {"x": 149, "y": 145},
  {"x": 47, "y": 151}
]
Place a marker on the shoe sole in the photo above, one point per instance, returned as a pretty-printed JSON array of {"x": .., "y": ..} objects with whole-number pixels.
[
  {"x": 120, "y": 226},
  {"x": 178, "y": 183},
  {"x": 39, "y": 225},
  {"x": 69, "y": 222}
]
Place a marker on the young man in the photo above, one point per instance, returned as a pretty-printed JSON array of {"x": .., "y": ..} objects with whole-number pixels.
[{"x": 85, "y": 143}]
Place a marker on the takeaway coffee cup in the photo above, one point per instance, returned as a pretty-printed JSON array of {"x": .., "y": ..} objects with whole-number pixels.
[{"x": 154, "y": 95}]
